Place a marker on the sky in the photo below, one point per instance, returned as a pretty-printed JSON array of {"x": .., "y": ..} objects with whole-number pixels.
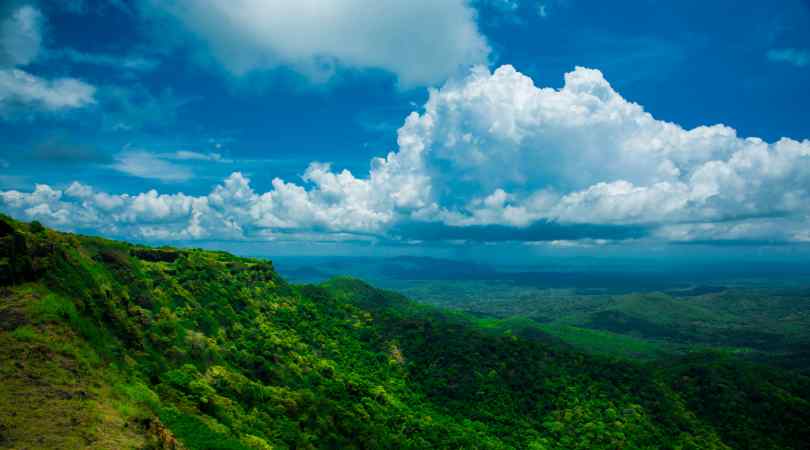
[{"x": 517, "y": 127}]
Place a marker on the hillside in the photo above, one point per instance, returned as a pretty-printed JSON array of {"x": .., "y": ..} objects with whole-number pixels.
[
  {"x": 761, "y": 318},
  {"x": 105, "y": 344}
]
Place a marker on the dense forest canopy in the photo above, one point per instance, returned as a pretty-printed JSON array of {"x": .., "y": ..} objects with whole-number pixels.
[{"x": 105, "y": 344}]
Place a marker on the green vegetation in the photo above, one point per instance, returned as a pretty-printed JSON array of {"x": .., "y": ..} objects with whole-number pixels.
[
  {"x": 110, "y": 345},
  {"x": 605, "y": 342},
  {"x": 767, "y": 322}
]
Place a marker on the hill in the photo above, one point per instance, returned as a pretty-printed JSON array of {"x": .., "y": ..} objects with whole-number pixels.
[{"x": 105, "y": 344}]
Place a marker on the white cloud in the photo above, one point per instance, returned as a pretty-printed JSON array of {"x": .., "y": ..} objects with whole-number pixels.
[
  {"x": 20, "y": 45},
  {"x": 160, "y": 166},
  {"x": 582, "y": 243},
  {"x": 187, "y": 155},
  {"x": 492, "y": 149},
  {"x": 18, "y": 87},
  {"x": 20, "y": 37},
  {"x": 420, "y": 41},
  {"x": 609, "y": 160},
  {"x": 795, "y": 56},
  {"x": 143, "y": 164}
]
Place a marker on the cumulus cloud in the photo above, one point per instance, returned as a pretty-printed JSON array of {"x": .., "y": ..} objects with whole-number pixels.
[
  {"x": 421, "y": 41},
  {"x": 795, "y": 56},
  {"x": 20, "y": 45},
  {"x": 607, "y": 159},
  {"x": 493, "y": 157}
]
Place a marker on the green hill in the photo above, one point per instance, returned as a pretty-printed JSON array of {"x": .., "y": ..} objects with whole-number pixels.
[{"x": 105, "y": 344}]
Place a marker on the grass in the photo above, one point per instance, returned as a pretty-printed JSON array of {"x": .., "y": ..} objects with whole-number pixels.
[
  {"x": 50, "y": 375},
  {"x": 53, "y": 308},
  {"x": 25, "y": 333}
]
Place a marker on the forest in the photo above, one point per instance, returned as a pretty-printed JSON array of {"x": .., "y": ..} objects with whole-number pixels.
[{"x": 106, "y": 344}]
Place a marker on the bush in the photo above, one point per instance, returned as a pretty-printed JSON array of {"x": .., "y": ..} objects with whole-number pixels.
[
  {"x": 37, "y": 227},
  {"x": 25, "y": 333}
]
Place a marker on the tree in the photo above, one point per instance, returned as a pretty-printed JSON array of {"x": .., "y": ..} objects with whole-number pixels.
[{"x": 37, "y": 227}]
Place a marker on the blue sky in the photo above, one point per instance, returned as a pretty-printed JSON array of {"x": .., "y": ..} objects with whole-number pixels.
[{"x": 551, "y": 125}]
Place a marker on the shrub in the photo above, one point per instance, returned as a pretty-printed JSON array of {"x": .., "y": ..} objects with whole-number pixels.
[{"x": 37, "y": 227}]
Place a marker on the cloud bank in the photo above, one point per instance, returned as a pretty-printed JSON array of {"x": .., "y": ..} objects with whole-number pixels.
[
  {"x": 493, "y": 157},
  {"x": 422, "y": 42}
]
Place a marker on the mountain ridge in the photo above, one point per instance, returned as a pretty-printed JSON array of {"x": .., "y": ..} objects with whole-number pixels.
[{"x": 107, "y": 344}]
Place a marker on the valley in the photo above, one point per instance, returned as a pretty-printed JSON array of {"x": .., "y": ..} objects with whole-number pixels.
[{"x": 608, "y": 312}]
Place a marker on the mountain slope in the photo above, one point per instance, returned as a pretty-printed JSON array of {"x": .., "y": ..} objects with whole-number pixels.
[{"x": 112, "y": 345}]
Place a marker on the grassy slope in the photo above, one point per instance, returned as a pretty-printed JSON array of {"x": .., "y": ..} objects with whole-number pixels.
[
  {"x": 110, "y": 345},
  {"x": 56, "y": 393}
]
